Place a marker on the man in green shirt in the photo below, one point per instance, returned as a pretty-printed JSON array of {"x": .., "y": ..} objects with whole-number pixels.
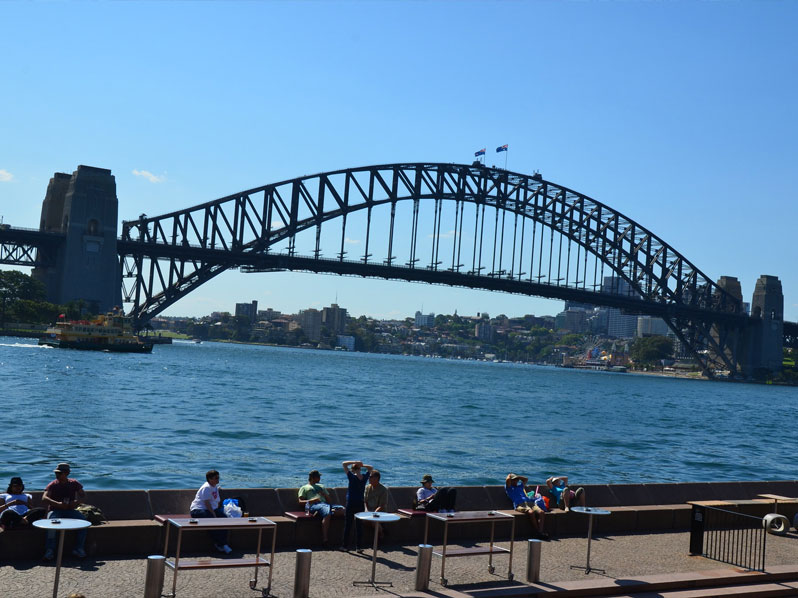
[{"x": 316, "y": 500}]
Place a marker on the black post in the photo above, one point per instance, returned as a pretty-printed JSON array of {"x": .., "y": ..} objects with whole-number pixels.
[{"x": 697, "y": 530}]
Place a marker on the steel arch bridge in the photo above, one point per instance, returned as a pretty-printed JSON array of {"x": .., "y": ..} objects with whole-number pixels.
[{"x": 451, "y": 224}]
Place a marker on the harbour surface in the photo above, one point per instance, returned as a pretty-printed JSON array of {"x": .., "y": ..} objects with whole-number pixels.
[{"x": 264, "y": 416}]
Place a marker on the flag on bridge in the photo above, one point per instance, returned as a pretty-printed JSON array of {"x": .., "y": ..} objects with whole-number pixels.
[
  {"x": 501, "y": 148},
  {"x": 480, "y": 153}
]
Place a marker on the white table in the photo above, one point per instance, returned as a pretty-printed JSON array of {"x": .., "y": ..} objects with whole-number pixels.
[
  {"x": 375, "y": 517},
  {"x": 60, "y": 525},
  {"x": 589, "y": 511}
]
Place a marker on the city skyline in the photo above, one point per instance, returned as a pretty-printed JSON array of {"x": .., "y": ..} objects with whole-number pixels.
[{"x": 679, "y": 115}]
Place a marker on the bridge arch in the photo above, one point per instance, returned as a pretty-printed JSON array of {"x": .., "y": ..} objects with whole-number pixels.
[{"x": 456, "y": 224}]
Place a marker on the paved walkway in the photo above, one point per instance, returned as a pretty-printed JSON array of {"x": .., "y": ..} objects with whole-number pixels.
[{"x": 332, "y": 572}]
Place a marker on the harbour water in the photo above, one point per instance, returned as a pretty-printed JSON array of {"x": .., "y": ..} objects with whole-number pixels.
[{"x": 265, "y": 416}]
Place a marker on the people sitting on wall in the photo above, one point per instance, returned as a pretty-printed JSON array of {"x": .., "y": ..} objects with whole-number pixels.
[
  {"x": 562, "y": 494},
  {"x": 16, "y": 507},
  {"x": 527, "y": 501},
  {"x": 316, "y": 500},
  {"x": 208, "y": 503},
  {"x": 62, "y": 497},
  {"x": 431, "y": 499}
]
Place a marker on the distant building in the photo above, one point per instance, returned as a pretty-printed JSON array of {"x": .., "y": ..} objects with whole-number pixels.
[
  {"x": 247, "y": 310},
  {"x": 268, "y": 314},
  {"x": 649, "y": 326},
  {"x": 485, "y": 332},
  {"x": 424, "y": 320},
  {"x": 334, "y": 318},
  {"x": 310, "y": 322},
  {"x": 620, "y": 325},
  {"x": 573, "y": 320},
  {"x": 346, "y": 341}
]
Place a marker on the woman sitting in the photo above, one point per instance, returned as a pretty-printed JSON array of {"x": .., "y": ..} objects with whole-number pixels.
[{"x": 16, "y": 507}]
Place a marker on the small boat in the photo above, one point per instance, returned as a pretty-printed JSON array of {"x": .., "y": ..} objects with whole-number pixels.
[{"x": 110, "y": 332}]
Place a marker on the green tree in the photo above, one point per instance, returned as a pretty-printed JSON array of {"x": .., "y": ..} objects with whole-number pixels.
[{"x": 651, "y": 349}]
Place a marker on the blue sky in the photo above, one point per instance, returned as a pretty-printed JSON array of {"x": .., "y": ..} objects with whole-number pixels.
[{"x": 681, "y": 115}]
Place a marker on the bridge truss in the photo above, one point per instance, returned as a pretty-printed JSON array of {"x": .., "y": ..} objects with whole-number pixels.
[
  {"x": 28, "y": 247},
  {"x": 452, "y": 224}
]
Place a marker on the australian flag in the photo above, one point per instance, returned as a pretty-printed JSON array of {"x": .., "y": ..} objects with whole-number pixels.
[
  {"x": 501, "y": 148},
  {"x": 480, "y": 153}
]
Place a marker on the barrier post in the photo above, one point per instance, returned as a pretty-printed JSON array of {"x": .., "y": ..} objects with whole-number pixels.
[
  {"x": 423, "y": 566},
  {"x": 533, "y": 560},
  {"x": 697, "y": 517},
  {"x": 302, "y": 573},
  {"x": 153, "y": 582}
]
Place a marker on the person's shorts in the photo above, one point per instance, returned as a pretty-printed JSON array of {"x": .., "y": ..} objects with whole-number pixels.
[
  {"x": 320, "y": 508},
  {"x": 324, "y": 509},
  {"x": 528, "y": 507}
]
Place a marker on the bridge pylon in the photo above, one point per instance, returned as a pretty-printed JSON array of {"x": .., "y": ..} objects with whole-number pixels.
[{"x": 84, "y": 208}]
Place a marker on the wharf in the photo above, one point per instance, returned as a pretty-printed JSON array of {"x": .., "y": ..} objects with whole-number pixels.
[{"x": 625, "y": 558}]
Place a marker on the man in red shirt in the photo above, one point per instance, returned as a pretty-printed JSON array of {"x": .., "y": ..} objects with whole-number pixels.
[{"x": 62, "y": 497}]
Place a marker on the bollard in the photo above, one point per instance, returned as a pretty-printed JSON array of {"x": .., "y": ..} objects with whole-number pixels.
[
  {"x": 153, "y": 583},
  {"x": 533, "y": 560},
  {"x": 302, "y": 573},
  {"x": 423, "y": 565}
]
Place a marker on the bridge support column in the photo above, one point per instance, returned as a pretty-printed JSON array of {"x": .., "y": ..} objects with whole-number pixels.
[
  {"x": 766, "y": 336},
  {"x": 83, "y": 206}
]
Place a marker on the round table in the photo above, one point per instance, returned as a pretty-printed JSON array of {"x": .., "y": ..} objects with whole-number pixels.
[
  {"x": 375, "y": 517},
  {"x": 589, "y": 511},
  {"x": 60, "y": 525}
]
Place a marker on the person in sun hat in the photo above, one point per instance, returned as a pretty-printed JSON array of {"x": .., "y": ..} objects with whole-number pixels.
[
  {"x": 61, "y": 498},
  {"x": 563, "y": 496},
  {"x": 429, "y": 498},
  {"x": 526, "y": 502}
]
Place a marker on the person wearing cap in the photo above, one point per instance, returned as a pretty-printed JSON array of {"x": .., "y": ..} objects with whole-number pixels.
[
  {"x": 563, "y": 495},
  {"x": 516, "y": 490},
  {"x": 429, "y": 498},
  {"x": 316, "y": 500},
  {"x": 16, "y": 507},
  {"x": 61, "y": 497}
]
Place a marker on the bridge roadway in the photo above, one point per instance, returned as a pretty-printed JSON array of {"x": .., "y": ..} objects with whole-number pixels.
[
  {"x": 19, "y": 246},
  {"x": 630, "y": 559}
]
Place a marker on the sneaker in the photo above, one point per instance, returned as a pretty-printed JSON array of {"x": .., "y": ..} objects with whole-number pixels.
[
  {"x": 79, "y": 553},
  {"x": 219, "y": 547},
  {"x": 49, "y": 555},
  {"x": 227, "y": 549}
]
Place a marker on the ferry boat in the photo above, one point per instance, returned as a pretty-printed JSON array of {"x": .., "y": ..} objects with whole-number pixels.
[{"x": 110, "y": 332}]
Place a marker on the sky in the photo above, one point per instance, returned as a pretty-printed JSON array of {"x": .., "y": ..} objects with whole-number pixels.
[{"x": 680, "y": 115}]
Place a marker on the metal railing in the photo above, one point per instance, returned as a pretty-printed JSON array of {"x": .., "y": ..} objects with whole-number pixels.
[{"x": 728, "y": 536}]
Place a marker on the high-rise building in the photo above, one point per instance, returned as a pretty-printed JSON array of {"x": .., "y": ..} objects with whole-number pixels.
[
  {"x": 425, "y": 320},
  {"x": 310, "y": 321},
  {"x": 485, "y": 332},
  {"x": 247, "y": 310},
  {"x": 334, "y": 318}
]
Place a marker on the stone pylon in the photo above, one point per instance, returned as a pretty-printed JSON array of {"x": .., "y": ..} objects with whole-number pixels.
[{"x": 83, "y": 207}]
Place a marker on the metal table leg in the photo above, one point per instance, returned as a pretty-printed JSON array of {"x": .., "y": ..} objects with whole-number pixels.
[{"x": 58, "y": 561}]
